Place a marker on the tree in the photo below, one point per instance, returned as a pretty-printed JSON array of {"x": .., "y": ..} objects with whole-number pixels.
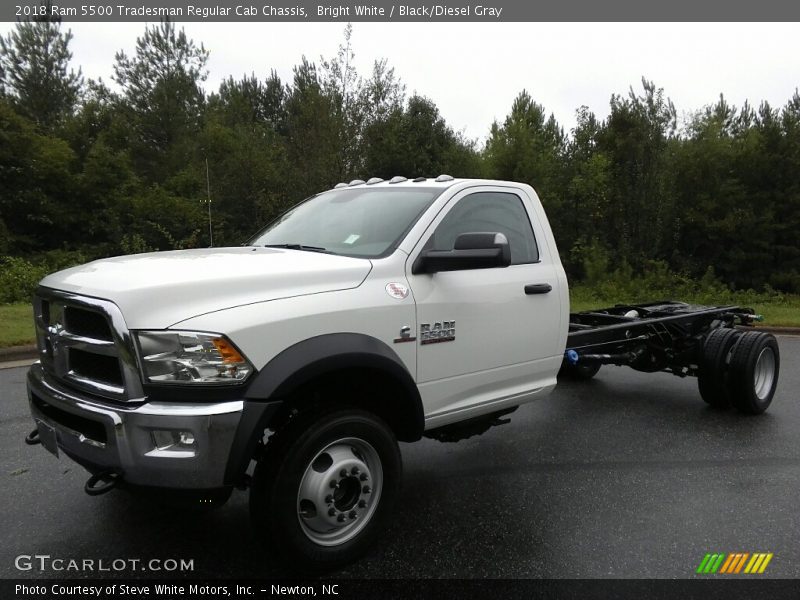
[
  {"x": 343, "y": 87},
  {"x": 249, "y": 100},
  {"x": 35, "y": 73},
  {"x": 529, "y": 147},
  {"x": 312, "y": 133},
  {"x": 383, "y": 93},
  {"x": 787, "y": 218},
  {"x": 585, "y": 203},
  {"x": 641, "y": 215},
  {"x": 417, "y": 141},
  {"x": 162, "y": 95},
  {"x": 36, "y": 203}
]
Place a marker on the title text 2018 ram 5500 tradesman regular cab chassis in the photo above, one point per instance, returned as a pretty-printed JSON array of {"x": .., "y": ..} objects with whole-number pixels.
[{"x": 374, "y": 312}]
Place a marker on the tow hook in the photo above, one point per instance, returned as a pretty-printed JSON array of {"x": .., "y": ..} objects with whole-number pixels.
[
  {"x": 33, "y": 438},
  {"x": 107, "y": 481}
]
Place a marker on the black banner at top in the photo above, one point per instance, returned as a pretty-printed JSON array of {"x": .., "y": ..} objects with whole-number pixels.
[{"x": 453, "y": 11}]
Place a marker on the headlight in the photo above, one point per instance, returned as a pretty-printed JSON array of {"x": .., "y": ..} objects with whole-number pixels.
[{"x": 191, "y": 357}]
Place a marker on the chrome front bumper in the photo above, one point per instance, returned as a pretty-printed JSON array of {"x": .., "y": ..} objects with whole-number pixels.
[{"x": 99, "y": 436}]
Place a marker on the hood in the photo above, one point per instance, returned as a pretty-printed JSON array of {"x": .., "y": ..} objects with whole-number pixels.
[{"x": 159, "y": 289}]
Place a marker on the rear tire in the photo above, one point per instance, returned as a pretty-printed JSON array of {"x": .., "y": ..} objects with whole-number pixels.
[
  {"x": 294, "y": 505},
  {"x": 713, "y": 363},
  {"x": 754, "y": 368}
]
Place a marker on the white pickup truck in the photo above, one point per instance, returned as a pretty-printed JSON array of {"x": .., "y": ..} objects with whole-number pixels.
[{"x": 374, "y": 312}]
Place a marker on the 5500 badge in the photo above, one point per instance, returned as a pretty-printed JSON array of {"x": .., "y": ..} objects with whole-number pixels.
[{"x": 440, "y": 331}]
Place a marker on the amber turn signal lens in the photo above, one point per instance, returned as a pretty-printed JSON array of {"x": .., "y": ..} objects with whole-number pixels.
[{"x": 229, "y": 353}]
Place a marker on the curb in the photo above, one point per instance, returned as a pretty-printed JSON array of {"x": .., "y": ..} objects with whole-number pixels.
[
  {"x": 18, "y": 353},
  {"x": 779, "y": 330}
]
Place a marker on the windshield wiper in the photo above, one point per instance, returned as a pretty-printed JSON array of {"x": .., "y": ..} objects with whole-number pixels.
[{"x": 299, "y": 247}]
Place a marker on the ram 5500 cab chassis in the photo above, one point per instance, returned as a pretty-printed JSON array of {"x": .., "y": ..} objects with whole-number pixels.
[{"x": 374, "y": 312}]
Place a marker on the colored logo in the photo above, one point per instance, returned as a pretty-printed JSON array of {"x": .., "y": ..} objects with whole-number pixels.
[
  {"x": 396, "y": 290},
  {"x": 734, "y": 563}
]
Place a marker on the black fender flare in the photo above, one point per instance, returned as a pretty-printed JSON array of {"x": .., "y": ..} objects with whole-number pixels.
[{"x": 304, "y": 361}]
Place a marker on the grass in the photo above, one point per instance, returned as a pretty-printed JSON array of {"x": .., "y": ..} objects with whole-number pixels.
[
  {"x": 777, "y": 313},
  {"x": 16, "y": 320},
  {"x": 16, "y": 325}
]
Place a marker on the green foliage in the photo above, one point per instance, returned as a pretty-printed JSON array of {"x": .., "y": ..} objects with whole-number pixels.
[
  {"x": 641, "y": 212},
  {"x": 247, "y": 168},
  {"x": 36, "y": 179},
  {"x": 638, "y": 205},
  {"x": 18, "y": 279},
  {"x": 162, "y": 96},
  {"x": 415, "y": 140},
  {"x": 529, "y": 146},
  {"x": 159, "y": 220},
  {"x": 16, "y": 325},
  {"x": 35, "y": 74},
  {"x": 250, "y": 102},
  {"x": 343, "y": 88},
  {"x": 657, "y": 281}
]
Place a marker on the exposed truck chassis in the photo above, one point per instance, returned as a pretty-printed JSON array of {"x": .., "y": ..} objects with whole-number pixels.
[
  {"x": 733, "y": 366},
  {"x": 665, "y": 336},
  {"x": 661, "y": 336}
]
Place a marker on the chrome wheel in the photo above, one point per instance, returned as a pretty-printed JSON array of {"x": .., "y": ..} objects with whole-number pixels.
[
  {"x": 339, "y": 491},
  {"x": 764, "y": 373}
]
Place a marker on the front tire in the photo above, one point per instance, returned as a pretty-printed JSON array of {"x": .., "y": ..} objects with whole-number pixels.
[{"x": 323, "y": 491}]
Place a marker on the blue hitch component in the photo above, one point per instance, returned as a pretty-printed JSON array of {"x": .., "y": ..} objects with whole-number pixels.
[{"x": 572, "y": 357}]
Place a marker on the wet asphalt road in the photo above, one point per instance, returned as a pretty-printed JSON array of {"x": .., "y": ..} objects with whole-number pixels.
[{"x": 629, "y": 475}]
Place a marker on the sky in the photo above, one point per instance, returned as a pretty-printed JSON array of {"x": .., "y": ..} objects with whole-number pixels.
[{"x": 473, "y": 71}]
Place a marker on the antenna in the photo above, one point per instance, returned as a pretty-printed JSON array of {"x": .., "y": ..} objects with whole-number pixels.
[{"x": 208, "y": 189}]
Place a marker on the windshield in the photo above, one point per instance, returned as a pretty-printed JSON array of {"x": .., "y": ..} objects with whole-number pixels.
[{"x": 361, "y": 222}]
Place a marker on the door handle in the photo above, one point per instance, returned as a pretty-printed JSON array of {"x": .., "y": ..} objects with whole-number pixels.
[{"x": 538, "y": 288}]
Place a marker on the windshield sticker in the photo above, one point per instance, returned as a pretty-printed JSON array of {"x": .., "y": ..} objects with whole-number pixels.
[{"x": 351, "y": 239}]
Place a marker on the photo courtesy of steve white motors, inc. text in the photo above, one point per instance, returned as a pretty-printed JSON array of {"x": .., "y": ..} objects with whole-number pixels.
[{"x": 171, "y": 590}]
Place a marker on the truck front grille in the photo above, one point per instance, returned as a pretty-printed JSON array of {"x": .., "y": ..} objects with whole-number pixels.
[
  {"x": 95, "y": 367},
  {"x": 87, "y": 323},
  {"x": 84, "y": 343}
]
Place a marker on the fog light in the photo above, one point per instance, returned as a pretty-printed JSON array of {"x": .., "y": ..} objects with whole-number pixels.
[{"x": 173, "y": 440}]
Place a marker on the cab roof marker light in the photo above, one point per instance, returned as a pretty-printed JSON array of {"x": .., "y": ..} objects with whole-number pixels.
[
  {"x": 419, "y": 179},
  {"x": 355, "y": 182},
  {"x": 340, "y": 185},
  {"x": 398, "y": 179},
  {"x": 441, "y": 178},
  {"x": 373, "y": 180}
]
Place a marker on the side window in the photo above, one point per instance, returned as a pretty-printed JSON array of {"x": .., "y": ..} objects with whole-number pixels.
[{"x": 496, "y": 212}]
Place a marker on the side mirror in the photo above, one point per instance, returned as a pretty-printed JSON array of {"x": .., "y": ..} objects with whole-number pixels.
[{"x": 471, "y": 251}]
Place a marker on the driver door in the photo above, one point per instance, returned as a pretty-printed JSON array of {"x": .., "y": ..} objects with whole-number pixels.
[{"x": 498, "y": 340}]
